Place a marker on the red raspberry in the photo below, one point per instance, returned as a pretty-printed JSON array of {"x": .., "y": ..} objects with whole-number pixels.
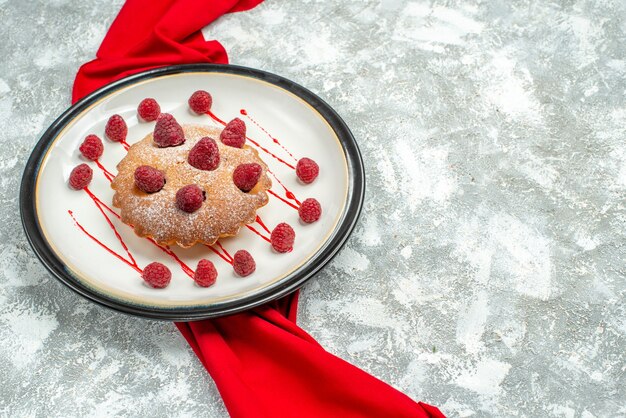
[
  {"x": 307, "y": 170},
  {"x": 243, "y": 263},
  {"x": 80, "y": 177},
  {"x": 149, "y": 110},
  {"x": 149, "y": 179},
  {"x": 205, "y": 274},
  {"x": 282, "y": 238},
  {"x": 234, "y": 133},
  {"x": 200, "y": 102},
  {"x": 91, "y": 148},
  {"x": 310, "y": 210},
  {"x": 205, "y": 155},
  {"x": 116, "y": 129},
  {"x": 157, "y": 275},
  {"x": 246, "y": 176},
  {"x": 167, "y": 132},
  {"x": 189, "y": 198}
]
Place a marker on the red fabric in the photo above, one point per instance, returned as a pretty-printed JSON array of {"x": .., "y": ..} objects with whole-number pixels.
[
  {"x": 153, "y": 33},
  {"x": 263, "y": 364}
]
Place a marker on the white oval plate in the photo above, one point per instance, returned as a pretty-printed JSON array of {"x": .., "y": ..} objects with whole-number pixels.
[{"x": 282, "y": 118}]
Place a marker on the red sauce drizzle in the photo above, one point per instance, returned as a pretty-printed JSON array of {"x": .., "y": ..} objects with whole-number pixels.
[
  {"x": 218, "y": 120},
  {"x": 132, "y": 264},
  {"x": 117, "y": 235},
  {"x": 284, "y": 200},
  {"x": 125, "y": 144},
  {"x": 245, "y": 113},
  {"x": 251, "y": 228},
  {"x": 167, "y": 250},
  {"x": 219, "y": 244},
  {"x": 260, "y": 222},
  {"x": 224, "y": 256},
  {"x": 288, "y": 192},
  {"x": 110, "y": 176},
  {"x": 100, "y": 204}
]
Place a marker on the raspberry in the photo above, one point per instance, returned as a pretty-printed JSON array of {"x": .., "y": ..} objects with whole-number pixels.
[
  {"x": 116, "y": 129},
  {"x": 189, "y": 198},
  {"x": 149, "y": 110},
  {"x": 243, "y": 263},
  {"x": 234, "y": 133},
  {"x": 246, "y": 176},
  {"x": 205, "y": 155},
  {"x": 310, "y": 210},
  {"x": 200, "y": 102},
  {"x": 80, "y": 177},
  {"x": 205, "y": 274},
  {"x": 149, "y": 179},
  {"x": 157, "y": 275},
  {"x": 91, "y": 148},
  {"x": 167, "y": 132},
  {"x": 307, "y": 170},
  {"x": 282, "y": 238}
]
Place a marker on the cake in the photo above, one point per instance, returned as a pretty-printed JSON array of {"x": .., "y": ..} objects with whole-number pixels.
[{"x": 158, "y": 215}]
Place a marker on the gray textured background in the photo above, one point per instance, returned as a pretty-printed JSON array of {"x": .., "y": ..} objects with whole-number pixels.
[{"x": 487, "y": 274}]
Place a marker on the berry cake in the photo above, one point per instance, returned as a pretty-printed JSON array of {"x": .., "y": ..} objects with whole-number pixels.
[{"x": 178, "y": 185}]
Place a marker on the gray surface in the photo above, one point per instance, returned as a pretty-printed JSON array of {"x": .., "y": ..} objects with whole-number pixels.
[{"x": 487, "y": 274}]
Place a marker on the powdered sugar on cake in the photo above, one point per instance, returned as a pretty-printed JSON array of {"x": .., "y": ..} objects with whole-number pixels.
[{"x": 225, "y": 210}]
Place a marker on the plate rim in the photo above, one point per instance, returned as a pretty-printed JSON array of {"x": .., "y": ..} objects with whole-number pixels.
[{"x": 47, "y": 256}]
